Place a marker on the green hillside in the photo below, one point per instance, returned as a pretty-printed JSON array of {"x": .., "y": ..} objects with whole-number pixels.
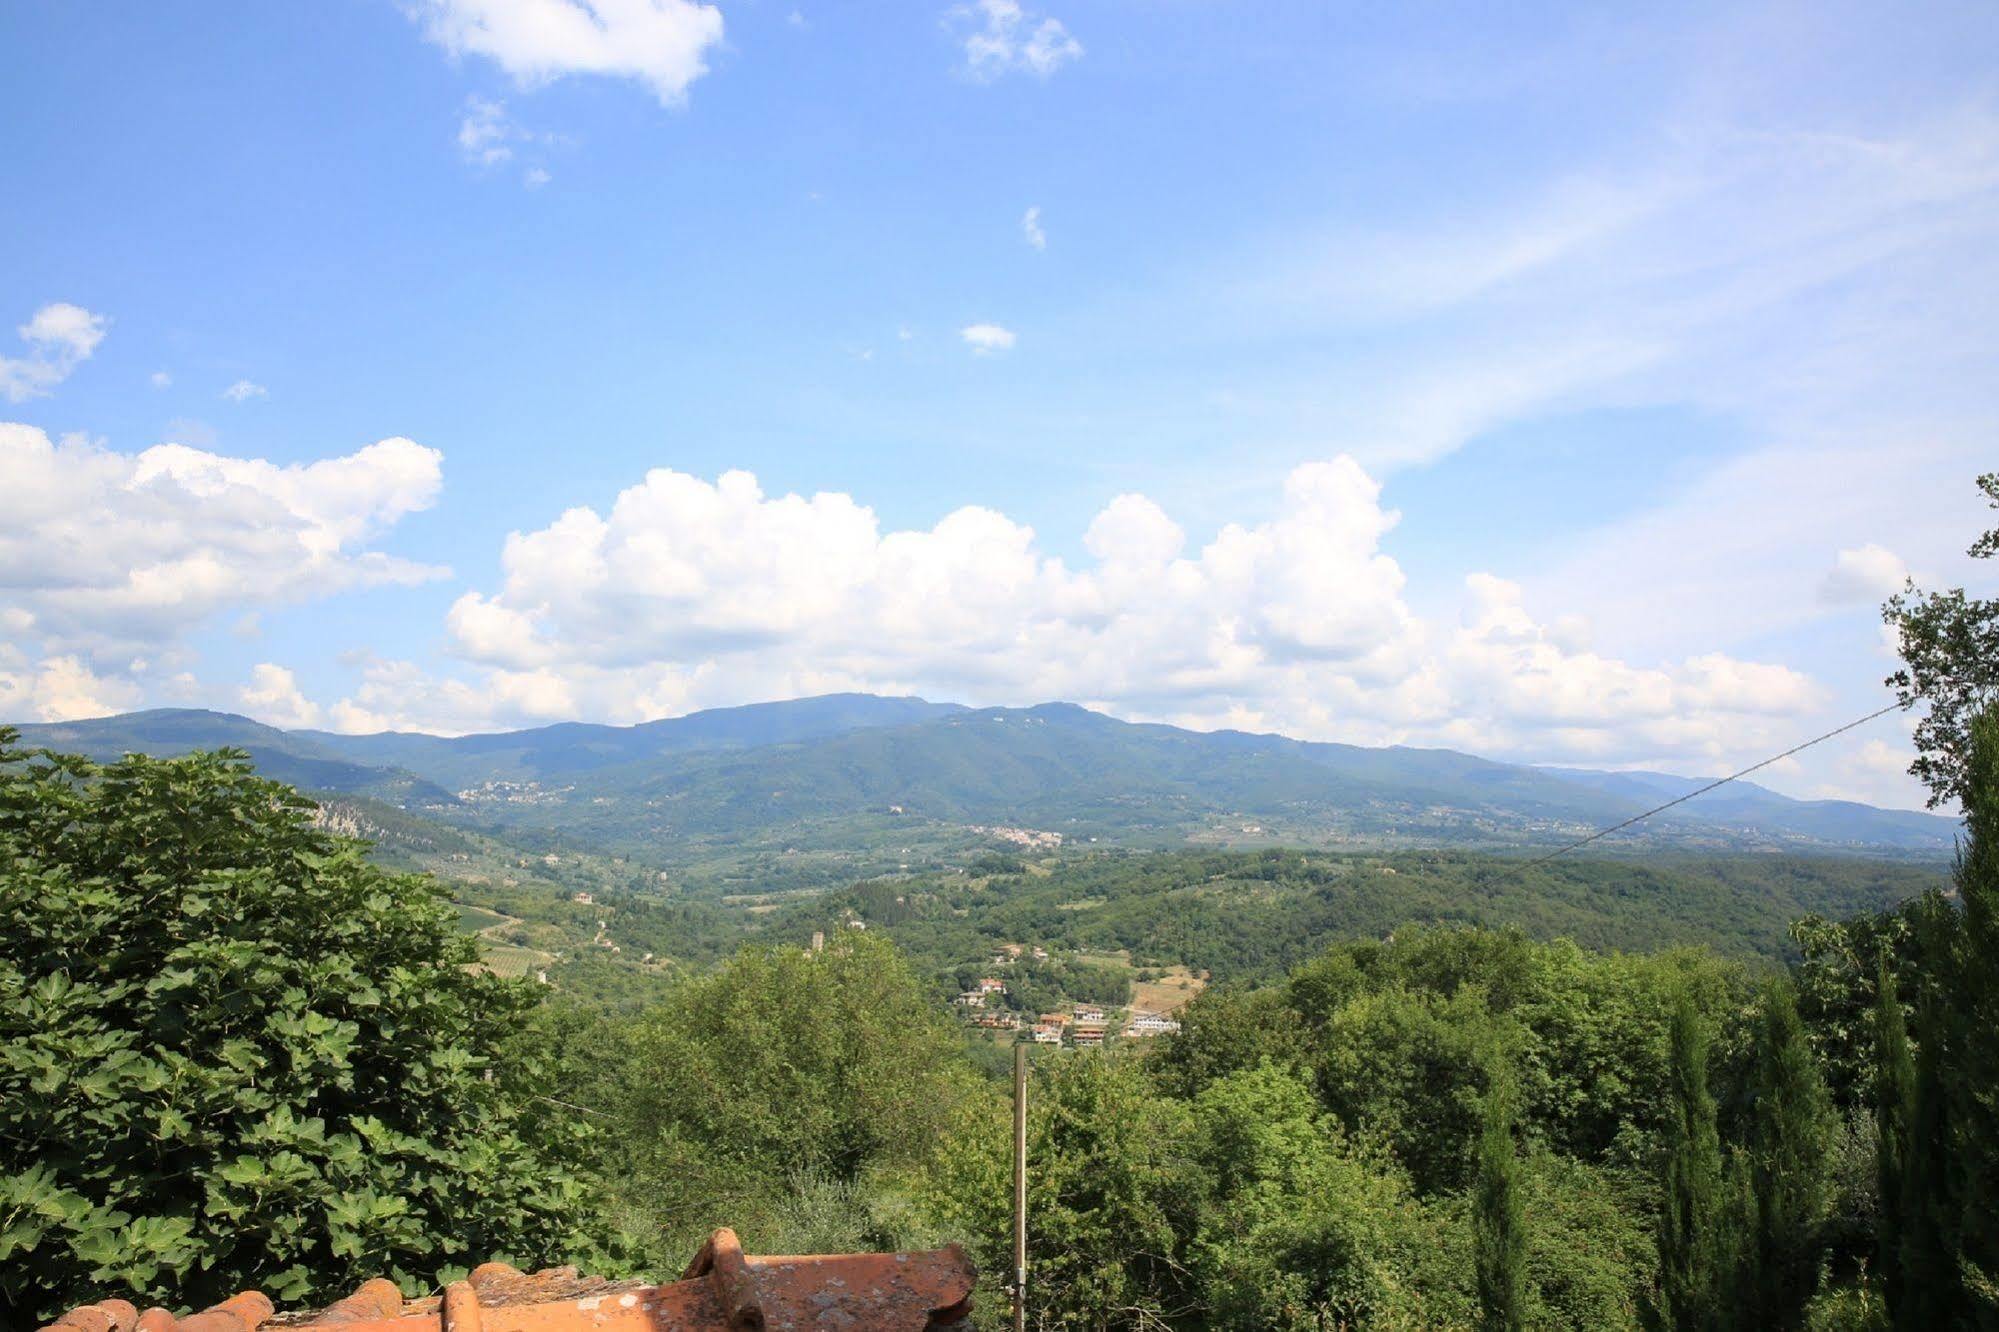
[
  {"x": 811, "y": 791},
  {"x": 291, "y": 757},
  {"x": 1238, "y": 915}
]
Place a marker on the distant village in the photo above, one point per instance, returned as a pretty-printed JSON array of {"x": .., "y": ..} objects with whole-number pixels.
[{"x": 1083, "y": 1026}]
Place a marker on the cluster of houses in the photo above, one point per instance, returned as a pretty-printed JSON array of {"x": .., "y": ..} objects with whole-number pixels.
[
  {"x": 1087, "y": 1024},
  {"x": 988, "y": 988},
  {"x": 1150, "y": 1024},
  {"x": 1029, "y": 839},
  {"x": 1084, "y": 1026}
]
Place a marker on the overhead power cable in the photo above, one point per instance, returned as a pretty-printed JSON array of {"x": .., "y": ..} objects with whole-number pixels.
[{"x": 1719, "y": 781}]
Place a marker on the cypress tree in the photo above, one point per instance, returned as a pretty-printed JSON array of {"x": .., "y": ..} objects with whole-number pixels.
[
  {"x": 1691, "y": 1222},
  {"x": 1790, "y": 1135},
  {"x": 1894, "y": 1107},
  {"x": 1974, "y": 1072},
  {"x": 1501, "y": 1228},
  {"x": 1931, "y": 1287},
  {"x": 1740, "y": 1273}
]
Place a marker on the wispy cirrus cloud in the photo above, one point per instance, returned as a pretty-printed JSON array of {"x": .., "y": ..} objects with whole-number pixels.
[
  {"x": 1030, "y": 228},
  {"x": 1002, "y": 37},
  {"x": 485, "y": 134}
]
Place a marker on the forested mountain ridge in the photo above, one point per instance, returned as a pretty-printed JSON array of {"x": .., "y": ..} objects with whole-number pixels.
[
  {"x": 295, "y": 758},
  {"x": 567, "y": 748},
  {"x": 837, "y": 770}
]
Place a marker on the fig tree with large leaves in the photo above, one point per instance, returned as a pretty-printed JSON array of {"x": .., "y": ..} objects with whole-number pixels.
[{"x": 235, "y": 1053}]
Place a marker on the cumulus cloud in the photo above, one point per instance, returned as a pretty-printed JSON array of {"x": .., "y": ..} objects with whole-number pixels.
[
  {"x": 60, "y": 688},
  {"x": 401, "y": 695},
  {"x": 273, "y": 697},
  {"x": 161, "y": 379},
  {"x": 661, "y": 43},
  {"x": 535, "y": 177},
  {"x": 1517, "y": 685},
  {"x": 60, "y": 337},
  {"x": 243, "y": 390},
  {"x": 689, "y": 593},
  {"x": 985, "y": 339},
  {"x": 1868, "y": 573},
  {"x": 103, "y": 550},
  {"x": 1030, "y": 228},
  {"x": 1871, "y": 768},
  {"x": 1002, "y": 37}
]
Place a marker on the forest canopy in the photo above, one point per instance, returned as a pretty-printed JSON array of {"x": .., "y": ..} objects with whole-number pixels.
[{"x": 238, "y": 1052}]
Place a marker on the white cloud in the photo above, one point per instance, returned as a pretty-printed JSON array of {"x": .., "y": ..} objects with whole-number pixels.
[
  {"x": 243, "y": 390},
  {"x": 273, "y": 697},
  {"x": 59, "y": 688},
  {"x": 1030, "y": 228},
  {"x": 985, "y": 339},
  {"x": 661, "y": 43},
  {"x": 1787, "y": 282},
  {"x": 689, "y": 594},
  {"x": 1866, "y": 767},
  {"x": 102, "y": 551},
  {"x": 60, "y": 337},
  {"x": 1805, "y": 305},
  {"x": 1005, "y": 38},
  {"x": 485, "y": 135},
  {"x": 400, "y": 696},
  {"x": 161, "y": 379},
  {"x": 1869, "y": 573},
  {"x": 489, "y": 137}
]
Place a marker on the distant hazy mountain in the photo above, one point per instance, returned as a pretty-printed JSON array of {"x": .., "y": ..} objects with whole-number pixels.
[
  {"x": 1746, "y": 805},
  {"x": 282, "y": 755},
  {"x": 851, "y": 767},
  {"x": 568, "y": 748}
]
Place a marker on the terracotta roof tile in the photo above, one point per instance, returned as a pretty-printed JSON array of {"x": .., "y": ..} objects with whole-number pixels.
[{"x": 722, "y": 1289}]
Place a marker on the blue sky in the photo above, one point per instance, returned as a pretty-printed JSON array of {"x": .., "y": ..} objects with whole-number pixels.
[{"x": 1561, "y": 385}]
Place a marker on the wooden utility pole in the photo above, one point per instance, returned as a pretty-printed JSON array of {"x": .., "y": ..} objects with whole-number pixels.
[{"x": 1020, "y": 1186}]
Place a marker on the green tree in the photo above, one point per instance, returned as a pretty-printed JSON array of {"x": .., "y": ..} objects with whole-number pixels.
[
  {"x": 1500, "y": 1224},
  {"x": 1975, "y": 996},
  {"x": 783, "y": 1068},
  {"x": 233, "y": 1052},
  {"x": 1691, "y": 1216},
  {"x": 1226, "y": 1030},
  {"x": 1894, "y": 1106},
  {"x": 1949, "y": 644},
  {"x": 1113, "y": 1193},
  {"x": 1592, "y": 1258},
  {"x": 1299, "y": 1227},
  {"x": 1932, "y": 1290},
  {"x": 1790, "y": 1129}
]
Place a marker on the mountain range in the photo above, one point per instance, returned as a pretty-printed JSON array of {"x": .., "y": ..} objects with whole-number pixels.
[{"x": 845, "y": 768}]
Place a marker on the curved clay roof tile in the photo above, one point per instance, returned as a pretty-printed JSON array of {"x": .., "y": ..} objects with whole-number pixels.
[{"x": 722, "y": 1289}]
